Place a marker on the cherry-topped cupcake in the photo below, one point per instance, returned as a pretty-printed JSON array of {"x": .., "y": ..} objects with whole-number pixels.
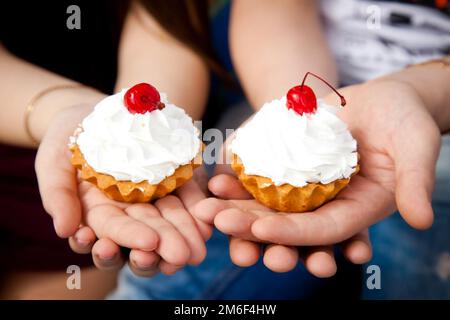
[
  {"x": 136, "y": 146},
  {"x": 295, "y": 154}
]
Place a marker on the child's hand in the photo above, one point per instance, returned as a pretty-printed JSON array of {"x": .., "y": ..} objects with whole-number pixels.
[
  {"x": 234, "y": 211},
  {"x": 179, "y": 239},
  {"x": 398, "y": 141},
  {"x": 163, "y": 236}
]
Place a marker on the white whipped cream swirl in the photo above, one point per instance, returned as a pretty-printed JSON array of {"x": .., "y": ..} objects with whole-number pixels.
[
  {"x": 137, "y": 147},
  {"x": 279, "y": 144}
]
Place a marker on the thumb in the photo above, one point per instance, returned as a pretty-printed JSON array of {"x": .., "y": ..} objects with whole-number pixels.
[
  {"x": 415, "y": 164},
  {"x": 58, "y": 187},
  {"x": 227, "y": 187}
]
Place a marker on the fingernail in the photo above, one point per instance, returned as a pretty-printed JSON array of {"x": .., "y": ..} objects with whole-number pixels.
[
  {"x": 82, "y": 243},
  {"x": 107, "y": 259},
  {"x": 143, "y": 266}
]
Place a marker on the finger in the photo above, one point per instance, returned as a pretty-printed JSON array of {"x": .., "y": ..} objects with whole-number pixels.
[
  {"x": 206, "y": 210},
  {"x": 58, "y": 187},
  {"x": 205, "y": 229},
  {"x": 110, "y": 222},
  {"x": 83, "y": 240},
  {"x": 190, "y": 194},
  {"x": 144, "y": 264},
  {"x": 360, "y": 205},
  {"x": 358, "y": 249},
  {"x": 106, "y": 255},
  {"x": 238, "y": 223},
  {"x": 173, "y": 211},
  {"x": 244, "y": 253},
  {"x": 320, "y": 262},
  {"x": 280, "y": 258},
  {"x": 93, "y": 196},
  {"x": 172, "y": 245},
  {"x": 167, "y": 268},
  {"x": 226, "y": 186},
  {"x": 415, "y": 163}
]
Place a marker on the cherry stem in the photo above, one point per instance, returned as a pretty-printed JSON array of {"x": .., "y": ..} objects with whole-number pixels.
[{"x": 343, "y": 102}]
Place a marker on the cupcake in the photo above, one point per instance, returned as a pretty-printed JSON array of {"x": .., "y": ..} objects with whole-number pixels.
[
  {"x": 295, "y": 154},
  {"x": 136, "y": 146}
]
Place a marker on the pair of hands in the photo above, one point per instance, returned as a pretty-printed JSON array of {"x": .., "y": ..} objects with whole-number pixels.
[{"x": 398, "y": 141}]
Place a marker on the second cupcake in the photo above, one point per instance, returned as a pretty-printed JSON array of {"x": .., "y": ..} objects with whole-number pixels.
[{"x": 295, "y": 154}]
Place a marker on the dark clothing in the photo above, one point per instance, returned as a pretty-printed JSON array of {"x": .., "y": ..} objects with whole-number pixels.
[{"x": 36, "y": 31}]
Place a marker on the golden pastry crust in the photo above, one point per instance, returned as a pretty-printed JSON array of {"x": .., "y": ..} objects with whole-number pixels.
[
  {"x": 287, "y": 198},
  {"x": 128, "y": 191}
]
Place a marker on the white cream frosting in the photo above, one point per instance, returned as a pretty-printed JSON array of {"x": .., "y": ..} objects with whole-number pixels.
[
  {"x": 137, "y": 147},
  {"x": 279, "y": 144}
]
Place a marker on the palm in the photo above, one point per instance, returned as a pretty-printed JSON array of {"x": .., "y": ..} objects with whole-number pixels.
[
  {"x": 91, "y": 197},
  {"x": 398, "y": 143},
  {"x": 111, "y": 219},
  {"x": 165, "y": 227}
]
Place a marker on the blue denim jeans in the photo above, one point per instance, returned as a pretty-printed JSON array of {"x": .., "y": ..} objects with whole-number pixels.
[{"x": 416, "y": 264}]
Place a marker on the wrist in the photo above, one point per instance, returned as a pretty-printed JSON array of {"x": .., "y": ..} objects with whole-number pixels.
[
  {"x": 55, "y": 102},
  {"x": 430, "y": 82},
  {"x": 73, "y": 115}
]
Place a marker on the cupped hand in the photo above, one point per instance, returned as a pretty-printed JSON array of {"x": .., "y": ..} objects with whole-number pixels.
[
  {"x": 234, "y": 211},
  {"x": 398, "y": 143},
  {"x": 162, "y": 236},
  {"x": 180, "y": 237}
]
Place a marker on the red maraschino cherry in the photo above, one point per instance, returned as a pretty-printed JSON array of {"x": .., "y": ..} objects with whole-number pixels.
[
  {"x": 302, "y": 98},
  {"x": 142, "y": 98}
]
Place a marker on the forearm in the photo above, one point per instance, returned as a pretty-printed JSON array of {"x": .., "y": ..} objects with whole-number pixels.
[
  {"x": 432, "y": 83},
  {"x": 149, "y": 54},
  {"x": 274, "y": 43},
  {"x": 19, "y": 83}
]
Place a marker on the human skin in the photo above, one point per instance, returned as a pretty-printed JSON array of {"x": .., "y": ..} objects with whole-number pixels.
[
  {"x": 152, "y": 232},
  {"x": 398, "y": 121},
  {"x": 147, "y": 54},
  {"x": 272, "y": 47},
  {"x": 251, "y": 67}
]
